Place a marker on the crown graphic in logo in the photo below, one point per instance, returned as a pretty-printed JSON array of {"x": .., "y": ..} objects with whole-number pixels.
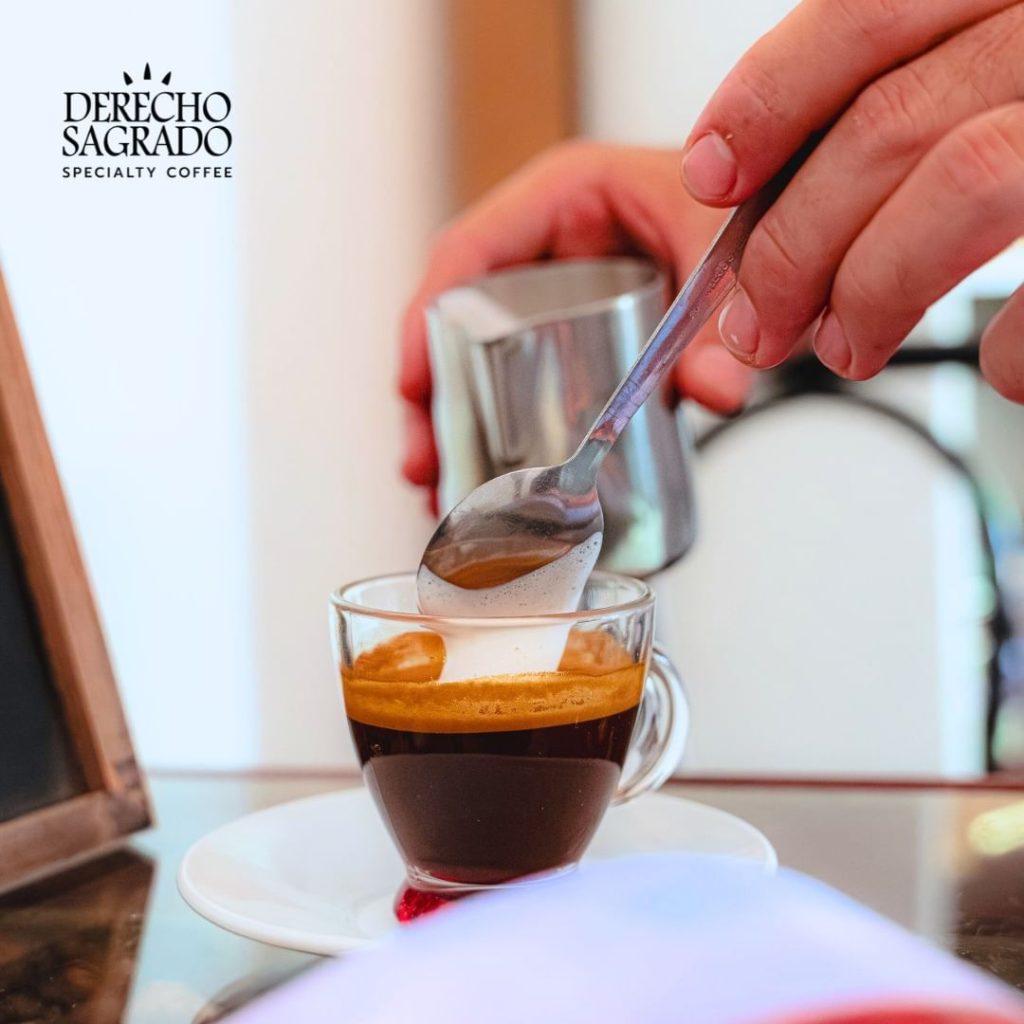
[{"x": 146, "y": 76}]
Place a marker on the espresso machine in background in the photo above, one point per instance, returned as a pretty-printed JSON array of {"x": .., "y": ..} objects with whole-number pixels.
[{"x": 525, "y": 359}]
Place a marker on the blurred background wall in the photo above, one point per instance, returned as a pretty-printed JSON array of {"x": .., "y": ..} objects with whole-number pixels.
[
  {"x": 129, "y": 299},
  {"x": 216, "y": 360},
  {"x": 216, "y": 364},
  {"x": 335, "y": 213}
]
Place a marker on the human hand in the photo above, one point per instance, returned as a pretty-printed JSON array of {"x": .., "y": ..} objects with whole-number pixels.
[
  {"x": 918, "y": 181},
  {"x": 577, "y": 200}
]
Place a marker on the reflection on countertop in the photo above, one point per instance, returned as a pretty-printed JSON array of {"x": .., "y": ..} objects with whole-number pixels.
[{"x": 112, "y": 940}]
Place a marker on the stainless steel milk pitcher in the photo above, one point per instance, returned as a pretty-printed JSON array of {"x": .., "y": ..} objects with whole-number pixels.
[{"x": 525, "y": 359}]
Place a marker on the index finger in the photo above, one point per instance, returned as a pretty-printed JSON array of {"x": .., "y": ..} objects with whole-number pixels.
[{"x": 800, "y": 76}]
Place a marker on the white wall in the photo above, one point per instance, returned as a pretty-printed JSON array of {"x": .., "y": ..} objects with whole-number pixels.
[
  {"x": 127, "y": 296},
  {"x": 826, "y": 620},
  {"x": 216, "y": 360},
  {"x": 649, "y": 66},
  {"x": 342, "y": 150}
]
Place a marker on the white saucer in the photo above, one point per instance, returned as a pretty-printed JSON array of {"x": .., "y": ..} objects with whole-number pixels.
[{"x": 321, "y": 875}]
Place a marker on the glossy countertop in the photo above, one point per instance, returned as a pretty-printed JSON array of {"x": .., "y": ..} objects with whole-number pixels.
[{"x": 112, "y": 940}]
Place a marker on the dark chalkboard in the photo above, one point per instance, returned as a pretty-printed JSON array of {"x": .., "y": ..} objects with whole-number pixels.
[
  {"x": 69, "y": 784},
  {"x": 38, "y": 766}
]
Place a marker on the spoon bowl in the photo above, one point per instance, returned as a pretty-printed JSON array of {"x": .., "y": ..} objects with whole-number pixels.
[{"x": 509, "y": 528}]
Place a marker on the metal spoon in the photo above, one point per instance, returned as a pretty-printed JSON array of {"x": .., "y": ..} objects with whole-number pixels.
[{"x": 521, "y": 521}]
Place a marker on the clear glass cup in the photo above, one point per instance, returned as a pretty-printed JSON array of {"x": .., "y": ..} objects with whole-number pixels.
[{"x": 505, "y": 772}]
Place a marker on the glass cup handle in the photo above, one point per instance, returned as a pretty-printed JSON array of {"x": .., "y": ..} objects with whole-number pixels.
[{"x": 659, "y": 736}]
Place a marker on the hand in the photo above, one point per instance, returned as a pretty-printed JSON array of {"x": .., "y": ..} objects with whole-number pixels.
[
  {"x": 579, "y": 199},
  {"x": 918, "y": 181}
]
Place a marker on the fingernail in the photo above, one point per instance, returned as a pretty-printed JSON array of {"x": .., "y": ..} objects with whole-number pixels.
[
  {"x": 738, "y": 326},
  {"x": 709, "y": 168},
  {"x": 830, "y": 344}
]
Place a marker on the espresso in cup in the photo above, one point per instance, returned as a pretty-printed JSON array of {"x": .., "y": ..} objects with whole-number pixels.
[
  {"x": 489, "y": 779},
  {"x": 492, "y": 746}
]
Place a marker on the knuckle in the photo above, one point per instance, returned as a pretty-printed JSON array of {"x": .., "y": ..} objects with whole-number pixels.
[
  {"x": 585, "y": 216},
  {"x": 856, "y": 288},
  {"x": 983, "y": 161},
  {"x": 870, "y": 18},
  {"x": 567, "y": 155},
  {"x": 875, "y": 302},
  {"x": 996, "y": 45},
  {"x": 787, "y": 290},
  {"x": 758, "y": 87},
  {"x": 888, "y": 117},
  {"x": 771, "y": 250},
  {"x": 571, "y": 163}
]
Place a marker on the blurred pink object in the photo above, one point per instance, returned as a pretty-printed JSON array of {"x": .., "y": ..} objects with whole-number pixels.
[{"x": 684, "y": 939}]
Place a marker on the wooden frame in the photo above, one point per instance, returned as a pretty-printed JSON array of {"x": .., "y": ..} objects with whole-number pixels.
[
  {"x": 511, "y": 89},
  {"x": 115, "y": 802}
]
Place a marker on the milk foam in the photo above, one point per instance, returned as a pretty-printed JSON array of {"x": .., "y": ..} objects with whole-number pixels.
[{"x": 472, "y": 652}]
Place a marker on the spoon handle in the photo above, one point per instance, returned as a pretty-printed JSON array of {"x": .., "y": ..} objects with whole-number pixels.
[{"x": 712, "y": 280}]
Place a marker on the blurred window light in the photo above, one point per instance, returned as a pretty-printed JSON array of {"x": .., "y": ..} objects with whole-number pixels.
[{"x": 999, "y": 831}]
